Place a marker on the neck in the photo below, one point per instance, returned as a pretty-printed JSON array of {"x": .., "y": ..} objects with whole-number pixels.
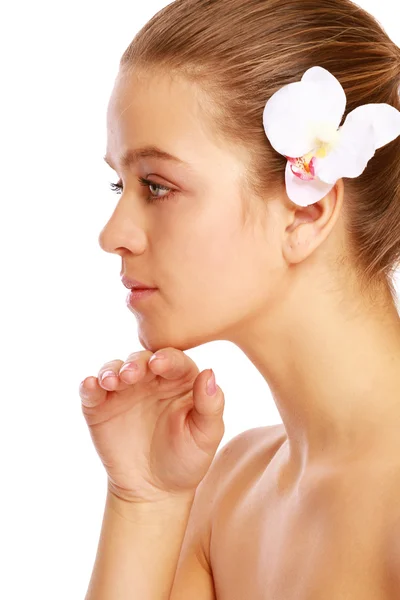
[{"x": 333, "y": 369}]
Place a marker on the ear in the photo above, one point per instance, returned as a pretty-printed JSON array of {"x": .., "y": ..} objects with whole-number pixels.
[{"x": 311, "y": 225}]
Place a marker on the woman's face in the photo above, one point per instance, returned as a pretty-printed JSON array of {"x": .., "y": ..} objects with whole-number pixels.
[{"x": 213, "y": 272}]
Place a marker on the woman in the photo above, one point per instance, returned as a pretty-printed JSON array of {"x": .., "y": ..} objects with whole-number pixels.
[{"x": 241, "y": 241}]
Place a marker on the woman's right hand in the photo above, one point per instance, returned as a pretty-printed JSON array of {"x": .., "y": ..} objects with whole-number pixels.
[{"x": 155, "y": 428}]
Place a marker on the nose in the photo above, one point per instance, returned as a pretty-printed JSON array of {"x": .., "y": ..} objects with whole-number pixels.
[{"x": 121, "y": 232}]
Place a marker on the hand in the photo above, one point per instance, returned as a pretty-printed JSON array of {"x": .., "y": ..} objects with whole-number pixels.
[{"x": 154, "y": 428}]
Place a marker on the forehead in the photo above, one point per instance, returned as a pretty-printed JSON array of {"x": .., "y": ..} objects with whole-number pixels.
[
  {"x": 155, "y": 109},
  {"x": 150, "y": 97},
  {"x": 152, "y": 109}
]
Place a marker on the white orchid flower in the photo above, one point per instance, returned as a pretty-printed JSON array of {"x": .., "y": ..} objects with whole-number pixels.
[{"x": 302, "y": 120}]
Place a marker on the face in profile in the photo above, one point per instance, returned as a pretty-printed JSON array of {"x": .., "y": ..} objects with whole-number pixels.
[{"x": 184, "y": 233}]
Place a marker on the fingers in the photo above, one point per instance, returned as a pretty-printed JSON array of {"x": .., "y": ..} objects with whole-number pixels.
[
  {"x": 135, "y": 368},
  {"x": 118, "y": 375},
  {"x": 111, "y": 377},
  {"x": 91, "y": 392},
  {"x": 206, "y": 417},
  {"x": 175, "y": 364}
]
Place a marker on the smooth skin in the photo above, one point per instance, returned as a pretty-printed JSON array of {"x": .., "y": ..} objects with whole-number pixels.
[
  {"x": 280, "y": 285},
  {"x": 154, "y": 425}
]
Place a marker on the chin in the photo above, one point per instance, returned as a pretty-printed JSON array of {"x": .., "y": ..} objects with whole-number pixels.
[{"x": 158, "y": 339}]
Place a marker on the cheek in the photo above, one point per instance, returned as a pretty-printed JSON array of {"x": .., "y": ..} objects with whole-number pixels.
[
  {"x": 208, "y": 248},
  {"x": 216, "y": 244},
  {"x": 216, "y": 256},
  {"x": 196, "y": 233}
]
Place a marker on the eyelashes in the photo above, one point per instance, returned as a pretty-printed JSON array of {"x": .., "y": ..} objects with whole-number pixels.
[{"x": 118, "y": 188}]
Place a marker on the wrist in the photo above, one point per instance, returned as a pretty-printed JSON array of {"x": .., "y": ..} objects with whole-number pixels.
[{"x": 168, "y": 505}]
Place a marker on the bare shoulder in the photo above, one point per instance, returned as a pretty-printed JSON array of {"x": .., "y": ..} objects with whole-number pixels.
[
  {"x": 234, "y": 464},
  {"x": 244, "y": 447}
]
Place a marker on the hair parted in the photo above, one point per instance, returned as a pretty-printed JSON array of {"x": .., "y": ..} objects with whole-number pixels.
[{"x": 240, "y": 53}]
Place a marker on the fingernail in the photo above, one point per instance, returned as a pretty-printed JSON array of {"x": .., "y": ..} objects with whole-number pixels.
[
  {"x": 211, "y": 385},
  {"x": 131, "y": 366},
  {"x": 107, "y": 374},
  {"x": 156, "y": 356}
]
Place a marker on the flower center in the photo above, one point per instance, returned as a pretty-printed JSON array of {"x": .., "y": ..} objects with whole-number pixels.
[
  {"x": 325, "y": 133},
  {"x": 326, "y": 137}
]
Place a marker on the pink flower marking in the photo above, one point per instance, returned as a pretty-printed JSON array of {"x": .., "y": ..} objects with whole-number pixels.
[{"x": 303, "y": 168}]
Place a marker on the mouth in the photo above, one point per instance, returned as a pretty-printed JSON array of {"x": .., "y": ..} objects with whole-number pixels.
[
  {"x": 133, "y": 284},
  {"x": 137, "y": 294}
]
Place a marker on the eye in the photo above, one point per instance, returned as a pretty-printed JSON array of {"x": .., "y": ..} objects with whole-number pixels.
[{"x": 118, "y": 188}]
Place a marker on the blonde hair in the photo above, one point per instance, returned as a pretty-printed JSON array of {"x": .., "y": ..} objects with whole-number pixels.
[{"x": 240, "y": 53}]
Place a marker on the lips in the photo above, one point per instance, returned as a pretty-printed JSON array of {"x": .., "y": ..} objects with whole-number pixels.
[{"x": 134, "y": 284}]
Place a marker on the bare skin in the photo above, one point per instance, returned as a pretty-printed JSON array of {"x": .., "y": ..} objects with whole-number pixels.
[
  {"x": 330, "y": 538},
  {"x": 316, "y": 518}
]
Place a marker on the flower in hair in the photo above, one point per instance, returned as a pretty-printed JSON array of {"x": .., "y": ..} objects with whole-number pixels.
[{"x": 301, "y": 121}]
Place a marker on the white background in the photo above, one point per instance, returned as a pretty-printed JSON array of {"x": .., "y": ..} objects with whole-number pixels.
[{"x": 63, "y": 310}]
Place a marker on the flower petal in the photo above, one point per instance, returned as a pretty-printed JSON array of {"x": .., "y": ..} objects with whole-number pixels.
[
  {"x": 332, "y": 91},
  {"x": 302, "y": 192},
  {"x": 350, "y": 157},
  {"x": 365, "y": 129},
  {"x": 384, "y": 118},
  {"x": 292, "y": 114}
]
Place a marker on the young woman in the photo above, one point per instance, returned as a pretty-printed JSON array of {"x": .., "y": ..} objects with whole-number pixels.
[{"x": 251, "y": 216}]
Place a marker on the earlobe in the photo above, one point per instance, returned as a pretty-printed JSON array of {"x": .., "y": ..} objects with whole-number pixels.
[{"x": 298, "y": 244}]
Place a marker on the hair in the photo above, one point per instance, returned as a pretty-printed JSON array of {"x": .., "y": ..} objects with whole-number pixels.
[{"x": 240, "y": 53}]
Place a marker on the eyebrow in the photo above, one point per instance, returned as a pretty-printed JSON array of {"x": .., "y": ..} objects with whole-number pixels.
[{"x": 132, "y": 156}]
